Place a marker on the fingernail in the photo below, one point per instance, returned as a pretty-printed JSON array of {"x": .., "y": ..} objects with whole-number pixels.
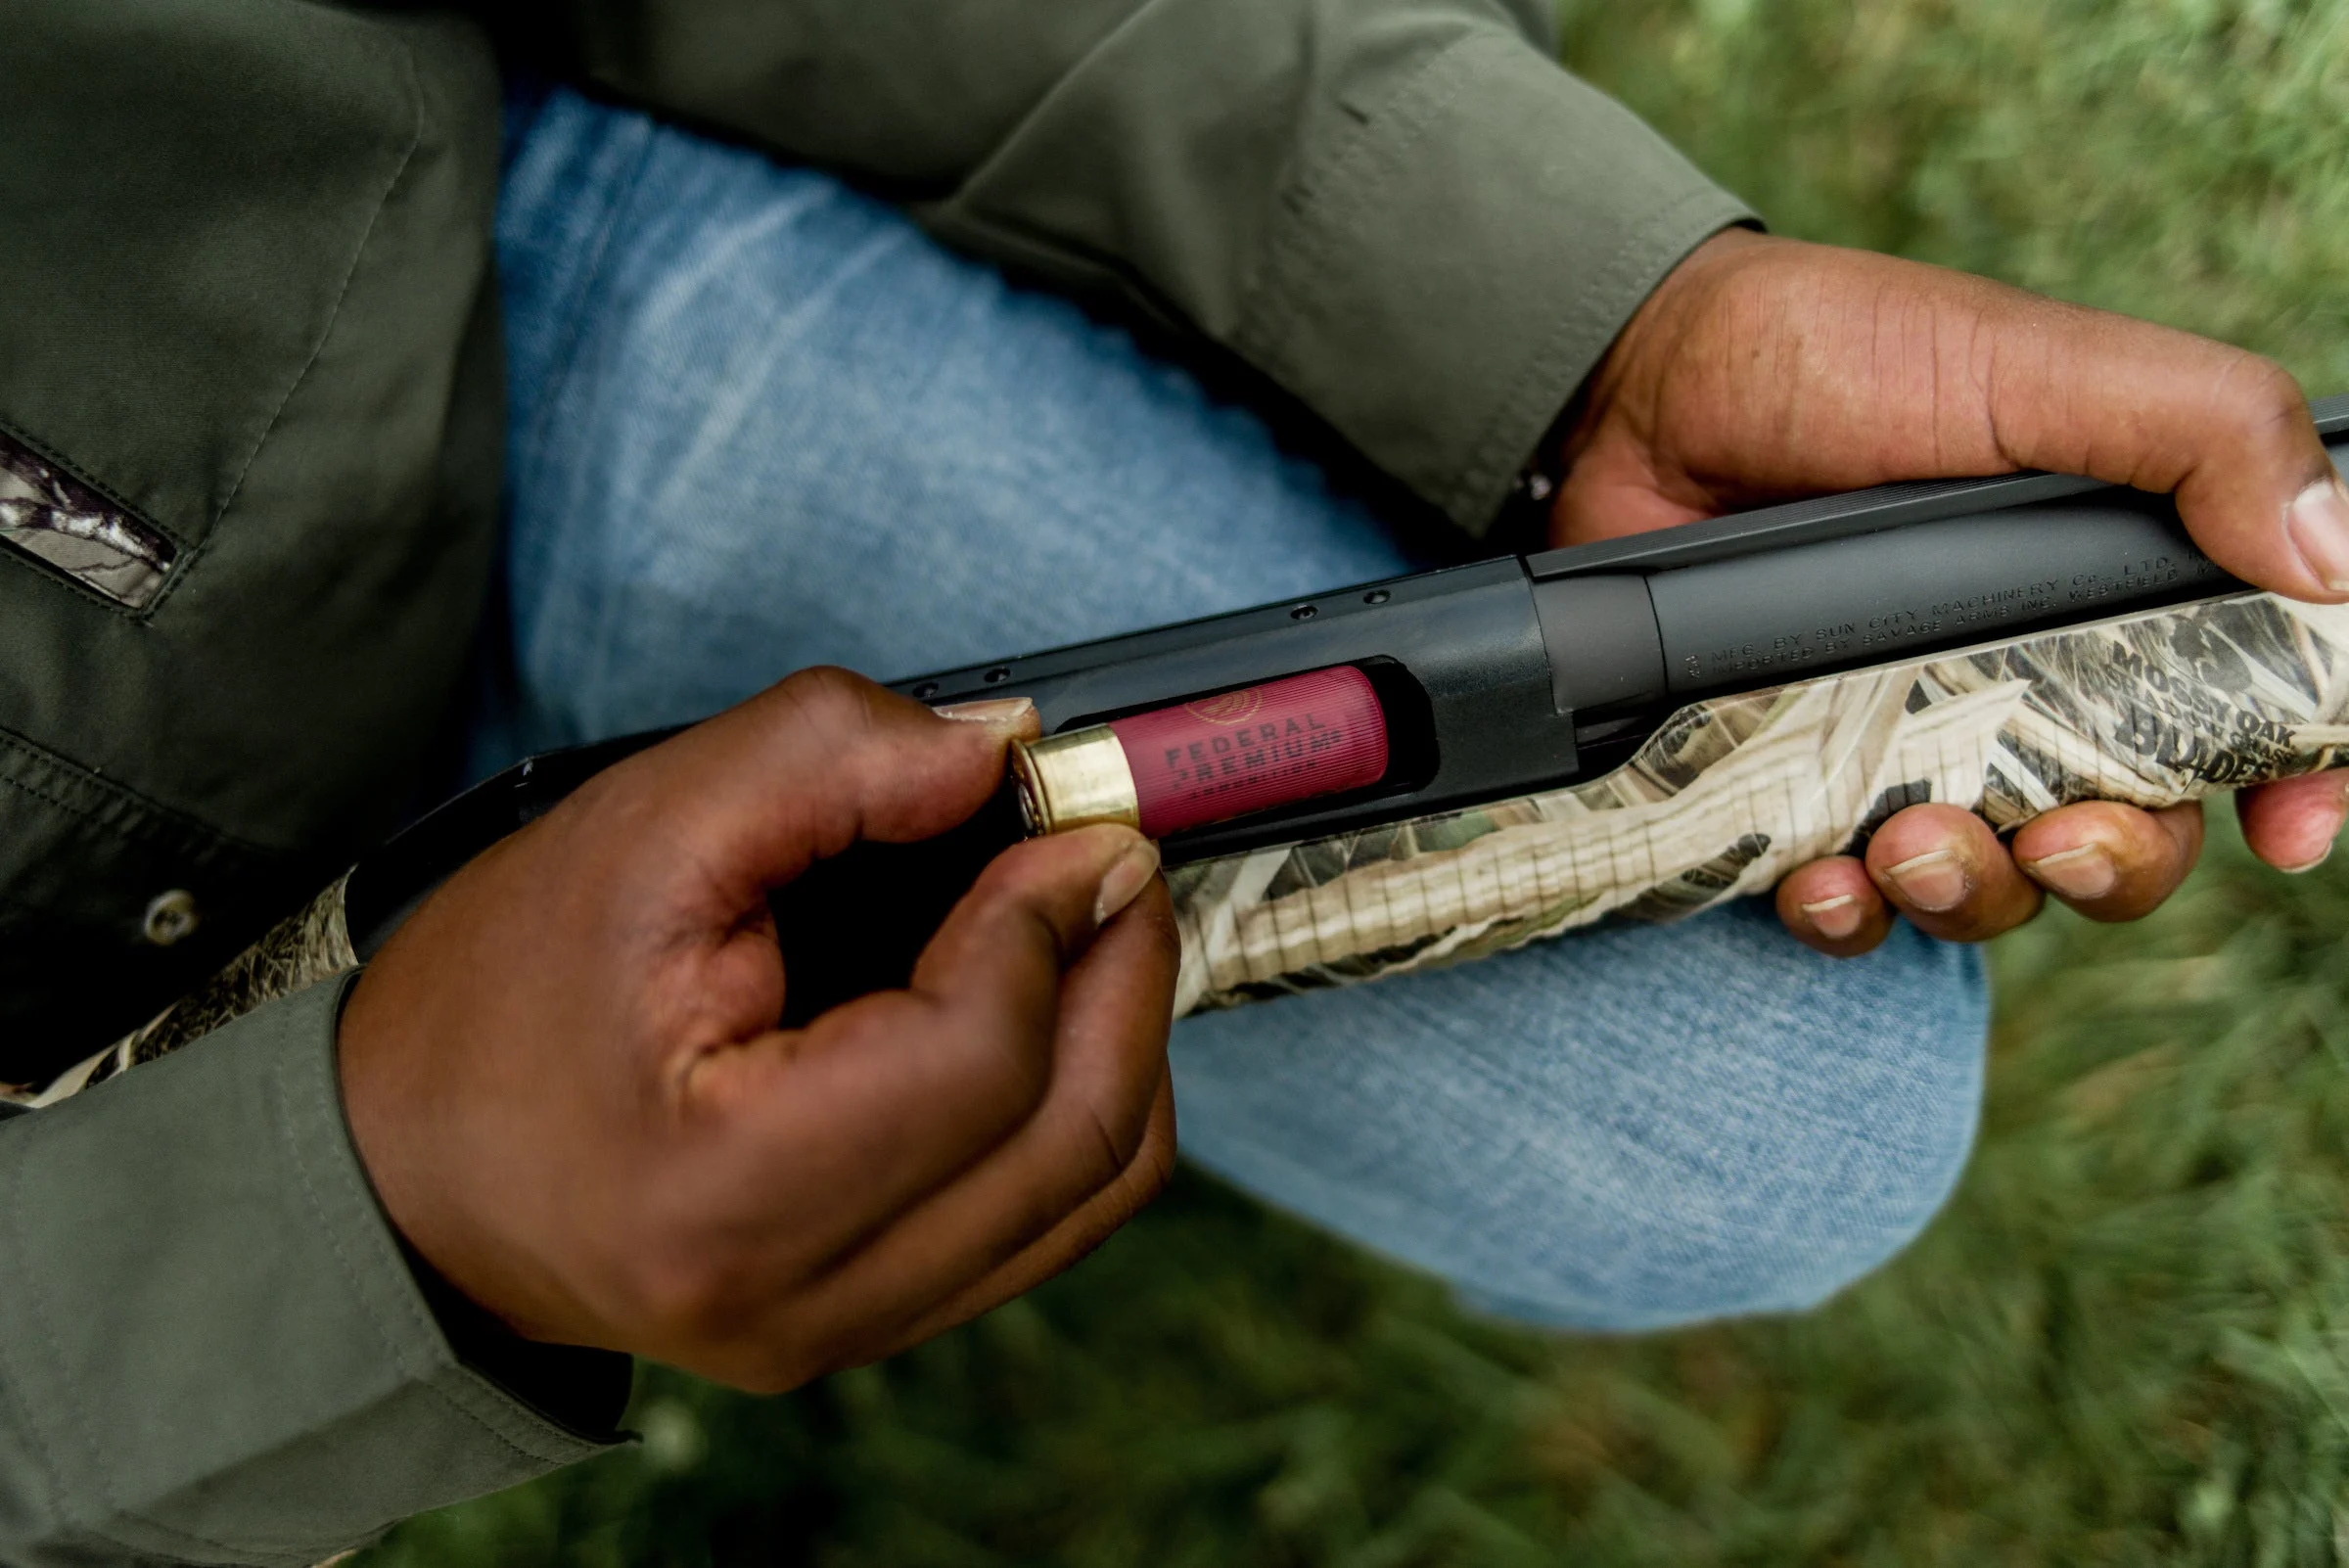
[
  {"x": 1126, "y": 878},
  {"x": 995, "y": 713},
  {"x": 1834, "y": 918},
  {"x": 1933, "y": 881},
  {"x": 2317, "y": 520},
  {"x": 2084, "y": 872}
]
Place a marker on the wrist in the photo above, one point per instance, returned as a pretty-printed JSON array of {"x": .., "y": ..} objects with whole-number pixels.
[{"x": 425, "y": 1176}]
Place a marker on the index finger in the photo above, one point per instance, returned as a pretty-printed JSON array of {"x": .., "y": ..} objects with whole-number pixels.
[{"x": 808, "y": 767}]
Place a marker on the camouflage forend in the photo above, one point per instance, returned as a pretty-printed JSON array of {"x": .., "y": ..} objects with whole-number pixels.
[{"x": 1733, "y": 793}]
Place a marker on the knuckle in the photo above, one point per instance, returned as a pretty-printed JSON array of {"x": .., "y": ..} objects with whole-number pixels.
[
  {"x": 2260, "y": 396},
  {"x": 828, "y": 683},
  {"x": 2277, "y": 387},
  {"x": 830, "y": 696}
]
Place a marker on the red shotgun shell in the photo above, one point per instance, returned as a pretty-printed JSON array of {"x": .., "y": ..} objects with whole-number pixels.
[{"x": 1254, "y": 749}]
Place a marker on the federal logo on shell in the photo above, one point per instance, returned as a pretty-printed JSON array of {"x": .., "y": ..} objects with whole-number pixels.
[{"x": 1233, "y": 707}]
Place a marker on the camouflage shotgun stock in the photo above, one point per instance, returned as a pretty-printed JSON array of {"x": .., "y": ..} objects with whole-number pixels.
[{"x": 1631, "y": 730}]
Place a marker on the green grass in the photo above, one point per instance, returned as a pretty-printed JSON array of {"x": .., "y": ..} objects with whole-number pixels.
[
  {"x": 2126, "y": 1341},
  {"x": 2181, "y": 159}
]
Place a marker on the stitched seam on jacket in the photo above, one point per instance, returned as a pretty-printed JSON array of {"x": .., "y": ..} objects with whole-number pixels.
[
  {"x": 163, "y": 814},
  {"x": 1045, "y": 250},
  {"x": 358, "y": 257},
  {"x": 44, "y": 1321},
  {"x": 419, "y": 1319},
  {"x": 79, "y": 813},
  {"x": 245, "y": 1552},
  {"x": 57, "y": 578},
  {"x": 283, "y": 1096},
  {"x": 1300, "y": 246},
  {"x": 52, "y": 1484},
  {"x": 1136, "y": 16}
]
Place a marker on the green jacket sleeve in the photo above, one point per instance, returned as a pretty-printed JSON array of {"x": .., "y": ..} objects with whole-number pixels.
[
  {"x": 1403, "y": 211},
  {"x": 211, "y": 1347}
]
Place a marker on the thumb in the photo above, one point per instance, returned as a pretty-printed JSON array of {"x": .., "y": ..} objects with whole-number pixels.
[
  {"x": 2227, "y": 431},
  {"x": 810, "y": 765}
]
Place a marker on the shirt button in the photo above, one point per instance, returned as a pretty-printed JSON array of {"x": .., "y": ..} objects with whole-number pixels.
[{"x": 171, "y": 917}]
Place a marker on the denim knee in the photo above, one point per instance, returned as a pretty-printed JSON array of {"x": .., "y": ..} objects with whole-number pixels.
[{"x": 1627, "y": 1130}]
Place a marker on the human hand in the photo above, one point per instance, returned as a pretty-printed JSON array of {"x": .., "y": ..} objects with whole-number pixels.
[
  {"x": 565, "y": 1078},
  {"x": 1765, "y": 369}
]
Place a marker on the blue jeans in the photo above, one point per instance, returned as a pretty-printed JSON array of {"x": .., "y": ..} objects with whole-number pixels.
[{"x": 759, "y": 422}]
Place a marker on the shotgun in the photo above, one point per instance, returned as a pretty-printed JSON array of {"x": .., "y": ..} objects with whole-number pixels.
[{"x": 1443, "y": 765}]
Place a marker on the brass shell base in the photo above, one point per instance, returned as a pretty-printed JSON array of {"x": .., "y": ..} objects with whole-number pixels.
[{"x": 1075, "y": 779}]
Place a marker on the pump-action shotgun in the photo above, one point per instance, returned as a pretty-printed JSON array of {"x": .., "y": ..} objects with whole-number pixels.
[{"x": 1441, "y": 766}]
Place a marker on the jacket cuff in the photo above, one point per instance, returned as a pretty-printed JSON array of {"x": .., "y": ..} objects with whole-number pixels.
[
  {"x": 211, "y": 1346},
  {"x": 1451, "y": 271}
]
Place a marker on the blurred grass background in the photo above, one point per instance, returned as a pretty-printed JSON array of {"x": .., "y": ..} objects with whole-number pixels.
[{"x": 2126, "y": 1341}]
